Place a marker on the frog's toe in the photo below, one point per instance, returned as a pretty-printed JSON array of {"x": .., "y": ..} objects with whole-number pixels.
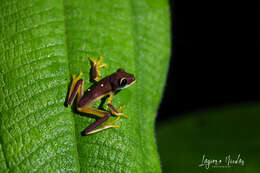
[
  {"x": 124, "y": 115},
  {"x": 120, "y": 109},
  {"x": 99, "y": 60},
  {"x": 92, "y": 60},
  {"x": 102, "y": 65}
]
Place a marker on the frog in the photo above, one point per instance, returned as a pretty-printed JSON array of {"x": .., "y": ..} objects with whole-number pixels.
[{"x": 106, "y": 87}]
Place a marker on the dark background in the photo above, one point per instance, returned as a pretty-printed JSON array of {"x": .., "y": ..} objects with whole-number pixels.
[{"x": 215, "y": 46}]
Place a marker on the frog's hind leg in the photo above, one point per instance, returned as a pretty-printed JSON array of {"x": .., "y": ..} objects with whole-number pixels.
[
  {"x": 77, "y": 87},
  {"x": 104, "y": 116},
  {"x": 100, "y": 129},
  {"x": 92, "y": 128}
]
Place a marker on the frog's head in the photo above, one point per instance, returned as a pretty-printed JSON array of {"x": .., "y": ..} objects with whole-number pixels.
[{"x": 122, "y": 79}]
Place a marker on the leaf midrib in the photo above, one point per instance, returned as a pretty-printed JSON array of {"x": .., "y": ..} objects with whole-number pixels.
[{"x": 69, "y": 77}]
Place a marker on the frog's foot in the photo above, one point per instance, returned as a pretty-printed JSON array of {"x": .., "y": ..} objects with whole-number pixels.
[
  {"x": 118, "y": 112},
  {"x": 75, "y": 79},
  {"x": 106, "y": 125},
  {"x": 100, "y": 129},
  {"x": 95, "y": 68},
  {"x": 78, "y": 88}
]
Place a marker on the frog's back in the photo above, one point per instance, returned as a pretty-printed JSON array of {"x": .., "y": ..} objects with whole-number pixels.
[{"x": 95, "y": 92}]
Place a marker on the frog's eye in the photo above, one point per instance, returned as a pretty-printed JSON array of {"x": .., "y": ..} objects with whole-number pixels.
[{"x": 122, "y": 82}]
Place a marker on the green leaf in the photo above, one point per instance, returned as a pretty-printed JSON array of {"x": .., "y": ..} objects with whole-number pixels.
[
  {"x": 42, "y": 43},
  {"x": 216, "y": 134}
]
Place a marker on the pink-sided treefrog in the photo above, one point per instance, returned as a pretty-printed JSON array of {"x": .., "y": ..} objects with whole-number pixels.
[{"x": 107, "y": 86}]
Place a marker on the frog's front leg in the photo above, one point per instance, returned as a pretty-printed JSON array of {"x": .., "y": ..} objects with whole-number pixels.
[
  {"x": 95, "y": 68},
  {"x": 113, "y": 110}
]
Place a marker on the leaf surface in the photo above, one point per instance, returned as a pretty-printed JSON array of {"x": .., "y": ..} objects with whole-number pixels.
[{"x": 42, "y": 44}]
